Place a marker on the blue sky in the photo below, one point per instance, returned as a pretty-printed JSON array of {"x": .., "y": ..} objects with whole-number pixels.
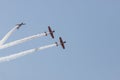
[{"x": 90, "y": 27}]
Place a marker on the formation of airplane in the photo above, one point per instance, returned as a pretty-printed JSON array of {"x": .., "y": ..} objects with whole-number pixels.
[
  {"x": 4, "y": 45},
  {"x": 61, "y": 42},
  {"x": 50, "y": 32}
]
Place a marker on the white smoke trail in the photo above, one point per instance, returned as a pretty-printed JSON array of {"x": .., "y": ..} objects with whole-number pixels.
[
  {"x": 7, "y": 35},
  {"x": 17, "y": 55},
  {"x": 22, "y": 40}
]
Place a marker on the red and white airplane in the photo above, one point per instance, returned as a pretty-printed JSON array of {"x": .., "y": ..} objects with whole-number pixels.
[
  {"x": 61, "y": 42},
  {"x": 50, "y": 32}
]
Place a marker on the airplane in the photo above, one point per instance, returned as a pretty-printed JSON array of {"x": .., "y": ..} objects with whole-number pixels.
[
  {"x": 50, "y": 31},
  {"x": 61, "y": 43},
  {"x": 19, "y": 25}
]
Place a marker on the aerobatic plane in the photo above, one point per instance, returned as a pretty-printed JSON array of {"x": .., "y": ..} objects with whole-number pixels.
[
  {"x": 51, "y": 31},
  {"x": 19, "y": 25},
  {"x": 22, "y": 53},
  {"x": 61, "y": 42}
]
